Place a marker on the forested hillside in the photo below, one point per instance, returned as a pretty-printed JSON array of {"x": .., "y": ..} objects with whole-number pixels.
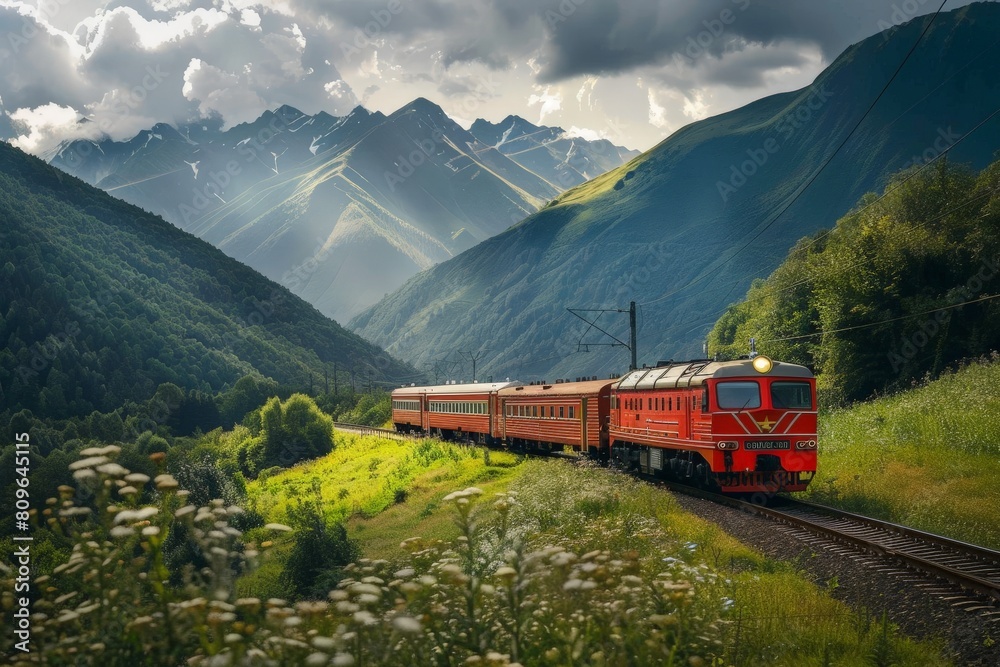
[
  {"x": 903, "y": 286},
  {"x": 102, "y": 302}
]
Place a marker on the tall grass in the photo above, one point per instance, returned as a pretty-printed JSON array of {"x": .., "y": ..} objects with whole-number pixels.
[
  {"x": 927, "y": 458},
  {"x": 568, "y": 566}
]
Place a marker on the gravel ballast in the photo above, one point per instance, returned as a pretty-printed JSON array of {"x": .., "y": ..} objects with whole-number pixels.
[{"x": 920, "y": 605}]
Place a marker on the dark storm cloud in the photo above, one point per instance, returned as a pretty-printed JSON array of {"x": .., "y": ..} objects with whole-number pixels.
[
  {"x": 608, "y": 36},
  {"x": 568, "y": 38}
]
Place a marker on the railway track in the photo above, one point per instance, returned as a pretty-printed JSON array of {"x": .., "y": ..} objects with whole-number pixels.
[
  {"x": 965, "y": 575},
  {"x": 361, "y": 429}
]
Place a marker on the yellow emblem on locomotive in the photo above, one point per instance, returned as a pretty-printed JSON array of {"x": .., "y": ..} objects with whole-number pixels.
[{"x": 766, "y": 425}]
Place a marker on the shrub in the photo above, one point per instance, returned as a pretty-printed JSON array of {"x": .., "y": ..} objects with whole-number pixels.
[{"x": 319, "y": 551}]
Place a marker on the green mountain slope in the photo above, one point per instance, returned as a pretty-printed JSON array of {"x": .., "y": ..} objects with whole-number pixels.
[
  {"x": 101, "y": 302},
  {"x": 665, "y": 228},
  {"x": 317, "y": 202}
]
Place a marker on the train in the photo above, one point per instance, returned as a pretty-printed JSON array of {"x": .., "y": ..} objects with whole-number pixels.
[{"x": 740, "y": 427}]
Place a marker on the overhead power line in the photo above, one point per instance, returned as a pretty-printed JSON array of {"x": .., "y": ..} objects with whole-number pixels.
[
  {"x": 774, "y": 218},
  {"x": 875, "y": 324}
]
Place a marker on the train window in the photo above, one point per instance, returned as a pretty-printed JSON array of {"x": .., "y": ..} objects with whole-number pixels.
[
  {"x": 561, "y": 412},
  {"x": 670, "y": 403},
  {"x": 738, "y": 395},
  {"x": 571, "y": 409},
  {"x": 704, "y": 399},
  {"x": 791, "y": 395},
  {"x": 534, "y": 410}
]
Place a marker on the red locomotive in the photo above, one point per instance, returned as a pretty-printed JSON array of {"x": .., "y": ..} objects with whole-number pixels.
[{"x": 743, "y": 426}]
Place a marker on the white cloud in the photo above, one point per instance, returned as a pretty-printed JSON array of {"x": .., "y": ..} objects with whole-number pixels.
[
  {"x": 149, "y": 61},
  {"x": 657, "y": 113},
  {"x": 584, "y": 133},
  {"x": 550, "y": 100},
  {"x": 41, "y": 123},
  {"x": 219, "y": 92},
  {"x": 585, "y": 96},
  {"x": 695, "y": 106},
  {"x": 250, "y": 18}
]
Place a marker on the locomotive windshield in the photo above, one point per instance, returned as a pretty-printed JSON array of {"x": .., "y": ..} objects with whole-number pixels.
[
  {"x": 791, "y": 395},
  {"x": 738, "y": 395}
]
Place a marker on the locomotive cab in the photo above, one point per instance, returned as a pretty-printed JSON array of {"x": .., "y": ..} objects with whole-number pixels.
[
  {"x": 765, "y": 429},
  {"x": 743, "y": 426}
]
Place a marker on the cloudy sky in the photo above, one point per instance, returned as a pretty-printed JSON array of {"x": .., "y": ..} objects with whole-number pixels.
[{"x": 630, "y": 70}]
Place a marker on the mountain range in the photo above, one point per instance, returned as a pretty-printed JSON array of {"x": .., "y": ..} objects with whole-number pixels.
[
  {"x": 102, "y": 302},
  {"x": 686, "y": 227},
  {"x": 342, "y": 210}
]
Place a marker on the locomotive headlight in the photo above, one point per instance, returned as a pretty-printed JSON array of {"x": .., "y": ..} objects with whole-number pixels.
[
  {"x": 727, "y": 444},
  {"x": 806, "y": 444},
  {"x": 762, "y": 364}
]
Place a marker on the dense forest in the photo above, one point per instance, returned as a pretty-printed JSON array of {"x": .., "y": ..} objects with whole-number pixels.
[
  {"x": 101, "y": 303},
  {"x": 902, "y": 287}
]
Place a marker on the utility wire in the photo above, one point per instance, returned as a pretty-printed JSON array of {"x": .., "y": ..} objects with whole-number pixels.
[
  {"x": 875, "y": 324},
  {"x": 863, "y": 260},
  {"x": 902, "y": 181}
]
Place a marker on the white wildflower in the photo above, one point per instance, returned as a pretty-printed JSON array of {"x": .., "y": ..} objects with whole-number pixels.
[{"x": 406, "y": 624}]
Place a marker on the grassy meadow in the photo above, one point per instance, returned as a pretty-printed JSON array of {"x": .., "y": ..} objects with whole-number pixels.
[
  {"x": 420, "y": 552},
  {"x": 545, "y": 563},
  {"x": 458, "y": 557},
  {"x": 926, "y": 458}
]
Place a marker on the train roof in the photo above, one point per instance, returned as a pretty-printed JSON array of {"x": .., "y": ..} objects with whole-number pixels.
[
  {"x": 694, "y": 373},
  {"x": 465, "y": 388},
  {"x": 558, "y": 388}
]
